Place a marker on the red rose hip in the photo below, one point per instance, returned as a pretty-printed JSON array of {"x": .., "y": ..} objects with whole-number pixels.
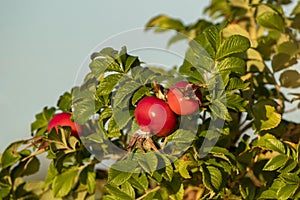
[
  {"x": 64, "y": 119},
  {"x": 154, "y": 115},
  {"x": 182, "y": 98}
]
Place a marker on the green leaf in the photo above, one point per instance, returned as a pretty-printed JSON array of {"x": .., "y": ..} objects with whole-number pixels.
[
  {"x": 122, "y": 117},
  {"x": 288, "y": 47},
  {"x": 88, "y": 178},
  {"x": 124, "y": 92},
  {"x": 4, "y": 192},
  {"x": 177, "y": 37},
  {"x": 131, "y": 62},
  {"x": 148, "y": 162},
  {"x": 213, "y": 35},
  {"x": 113, "y": 128},
  {"x": 290, "y": 79},
  {"x": 212, "y": 178},
  {"x": 290, "y": 178},
  {"x": 127, "y": 165},
  {"x": 85, "y": 106},
  {"x": 236, "y": 102},
  {"x": 265, "y": 116},
  {"x": 232, "y": 45},
  {"x": 139, "y": 181},
  {"x": 275, "y": 145},
  {"x": 118, "y": 193},
  {"x": 117, "y": 177},
  {"x": 128, "y": 189},
  {"x": 276, "y": 162},
  {"x": 142, "y": 91},
  {"x": 9, "y": 158},
  {"x": 201, "y": 53},
  {"x": 165, "y": 167},
  {"x": 182, "y": 139},
  {"x": 282, "y": 61},
  {"x": 268, "y": 194},
  {"x": 188, "y": 69},
  {"x": 107, "y": 84},
  {"x": 236, "y": 84},
  {"x": 175, "y": 189},
  {"x": 65, "y": 102},
  {"x": 289, "y": 166},
  {"x": 165, "y": 22},
  {"x": 11, "y": 155},
  {"x": 105, "y": 114},
  {"x": 228, "y": 156},
  {"x": 287, "y": 191},
  {"x": 51, "y": 173},
  {"x": 218, "y": 110},
  {"x": 104, "y": 64},
  {"x": 182, "y": 169},
  {"x": 42, "y": 119},
  {"x": 272, "y": 21},
  {"x": 25, "y": 168},
  {"x": 232, "y": 64},
  {"x": 63, "y": 183}
]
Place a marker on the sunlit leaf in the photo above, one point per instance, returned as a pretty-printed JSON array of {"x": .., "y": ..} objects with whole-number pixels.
[
  {"x": 232, "y": 45},
  {"x": 271, "y": 21}
]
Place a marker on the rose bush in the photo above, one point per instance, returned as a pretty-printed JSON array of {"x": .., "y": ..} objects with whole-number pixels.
[{"x": 238, "y": 145}]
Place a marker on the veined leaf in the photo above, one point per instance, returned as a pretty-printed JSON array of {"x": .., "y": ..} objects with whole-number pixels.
[
  {"x": 142, "y": 91},
  {"x": 117, "y": 193},
  {"x": 107, "y": 85},
  {"x": 127, "y": 87},
  {"x": 236, "y": 102},
  {"x": 213, "y": 35},
  {"x": 63, "y": 183},
  {"x": 237, "y": 84},
  {"x": 275, "y": 145},
  {"x": 232, "y": 64},
  {"x": 219, "y": 110},
  {"x": 272, "y": 21},
  {"x": 117, "y": 177},
  {"x": 212, "y": 178},
  {"x": 65, "y": 102},
  {"x": 287, "y": 191},
  {"x": 139, "y": 181},
  {"x": 148, "y": 162},
  {"x": 128, "y": 189},
  {"x": 103, "y": 64},
  {"x": 290, "y": 178},
  {"x": 276, "y": 162},
  {"x": 232, "y": 45}
]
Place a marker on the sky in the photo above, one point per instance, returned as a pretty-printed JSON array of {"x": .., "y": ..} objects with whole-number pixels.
[{"x": 44, "y": 44}]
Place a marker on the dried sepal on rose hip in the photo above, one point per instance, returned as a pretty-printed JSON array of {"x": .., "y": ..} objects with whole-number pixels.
[
  {"x": 184, "y": 98},
  {"x": 154, "y": 117}
]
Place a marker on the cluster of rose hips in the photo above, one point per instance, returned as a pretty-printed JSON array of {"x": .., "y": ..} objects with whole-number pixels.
[
  {"x": 154, "y": 116},
  {"x": 157, "y": 117}
]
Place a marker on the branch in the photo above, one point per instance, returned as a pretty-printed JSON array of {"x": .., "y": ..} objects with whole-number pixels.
[{"x": 148, "y": 191}]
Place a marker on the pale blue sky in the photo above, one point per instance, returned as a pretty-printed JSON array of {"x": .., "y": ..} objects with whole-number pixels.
[{"x": 43, "y": 44}]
